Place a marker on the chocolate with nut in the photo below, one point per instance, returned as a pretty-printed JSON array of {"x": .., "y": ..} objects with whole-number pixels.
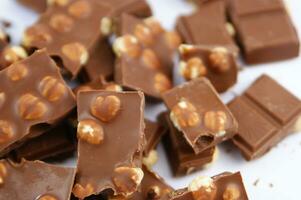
[
  {"x": 198, "y": 112},
  {"x": 264, "y": 30},
  {"x": 10, "y": 54},
  {"x": 153, "y": 133},
  {"x": 266, "y": 113},
  {"x": 216, "y": 63},
  {"x": 110, "y": 142}
]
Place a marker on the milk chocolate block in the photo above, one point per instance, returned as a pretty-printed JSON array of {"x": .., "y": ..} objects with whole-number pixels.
[
  {"x": 208, "y": 26},
  {"x": 32, "y": 94},
  {"x": 197, "y": 111},
  {"x": 35, "y": 180},
  {"x": 266, "y": 113},
  {"x": 182, "y": 158},
  {"x": 111, "y": 139},
  {"x": 217, "y": 63},
  {"x": 226, "y": 186},
  {"x": 69, "y": 32},
  {"x": 11, "y": 54},
  {"x": 145, "y": 51},
  {"x": 153, "y": 133},
  {"x": 37, "y": 5},
  {"x": 264, "y": 30}
]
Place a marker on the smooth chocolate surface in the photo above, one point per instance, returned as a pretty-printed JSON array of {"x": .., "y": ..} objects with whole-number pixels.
[
  {"x": 198, "y": 112},
  {"x": 216, "y": 63},
  {"x": 35, "y": 181},
  {"x": 264, "y": 30},
  {"x": 266, "y": 113},
  {"x": 37, "y": 5},
  {"x": 153, "y": 132},
  {"x": 33, "y": 94},
  {"x": 110, "y": 142}
]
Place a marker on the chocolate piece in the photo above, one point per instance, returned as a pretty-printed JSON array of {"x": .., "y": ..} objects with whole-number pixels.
[
  {"x": 198, "y": 112},
  {"x": 35, "y": 180},
  {"x": 110, "y": 142},
  {"x": 145, "y": 53},
  {"x": 182, "y": 158},
  {"x": 226, "y": 186},
  {"x": 264, "y": 30},
  {"x": 208, "y": 26},
  {"x": 266, "y": 113},
  {"x": 37, "y": 5},
  {"x": 32, "y": 94},
  {"x": 153, "y": 133},
  {"x": 10, "y": 55},
  {"x": 216, "y": 63},
  {"x": 69, "y": 32}
]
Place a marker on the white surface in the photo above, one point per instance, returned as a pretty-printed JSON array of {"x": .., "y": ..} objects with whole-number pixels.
[{"x": 280, "y": 167}]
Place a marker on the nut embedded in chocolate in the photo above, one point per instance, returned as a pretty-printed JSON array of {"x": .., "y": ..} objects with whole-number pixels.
[
  {"x": 52, "y": 89},
  {"x": 106, "y": 26},
  {"x": 203, "y": 188},
  {"x": 61, "y": 23},
  {"x": 128, "y": 45},
  {"x": 80, "y": 9},
  {"x": 17, "y": 72},
  {"x": 150, "y": 59},
  {"x": 172, "y": 39},
  {"x": 47, "y": 197},
  {"x": 113, "y": 87},
  {"x": 37, "y": 33},
  {"x": 215, "y": 120},
  {"x": 193, "y": 68},
  {"x": 231, "y": 193},
  {"x": 6, "y": 131},
  {"x": 143, "y": 34},
  {"x": 162, "y": 82},
  {"x": 2, "y": 98},
  {"x": 81, "y": 192},
  {"x": 219, "y": 59},
  {"x": 3, "y": 172},
  {"x": 76, "y": 52},
  {"x": 57, "y": 2},
  {"x": 151, "y": 159},
  {"x": 154, "y": 25},
  {"x": 31, "y": 107},
  {"x": 90, "y": 131},
  {"x": 13, "y": 54}
]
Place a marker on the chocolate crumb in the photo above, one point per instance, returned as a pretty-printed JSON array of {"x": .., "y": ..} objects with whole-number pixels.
[{"x": 256, "y": 182}]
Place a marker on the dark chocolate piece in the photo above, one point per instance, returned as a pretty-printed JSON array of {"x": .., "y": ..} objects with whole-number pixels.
[
  {"x": 218, "y": 64},
  {"x": 266, "y": 113},
  {"x": 37, "y": 5},
  {"x": 35, "y": 181},
  {"x": 110, "y": 142},
  {"x": 198, "y": 112},
  {"x": 264, "y": 30}
]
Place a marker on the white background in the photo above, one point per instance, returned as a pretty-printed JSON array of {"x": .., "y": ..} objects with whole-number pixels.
[{"x": 278, "y": 172}]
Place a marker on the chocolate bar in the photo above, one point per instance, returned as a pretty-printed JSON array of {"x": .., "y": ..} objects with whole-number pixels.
[
  {"x": 197, "y": 111},
  {"x": 110, "y": 142},
  {"x": 11, "y": 54},
  {"x": 208, "y": 26},
  {"x": 218, "y": 64},
  {"x": 69, "y": 32},
  {"x": 266, "y": 113},
  {"x": 153, "y": 133},
  {"x": 145, "y": 53},
  {"x": 32, "y": 94},
  {"x": 38, "y": 5},
  {"x": 226, "y": 186},
  {"x": 264, "y": 30}
]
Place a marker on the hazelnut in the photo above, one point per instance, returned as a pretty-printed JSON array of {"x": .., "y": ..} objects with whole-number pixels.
[
  {"x": 162, "y": 82},
  {"x": 80, "y": 9},
  {"x": 31, "y": 107},
  {"x": 172, "y": 39},
  {"x": 61, "y": 22},
  {"x": 219, "y": 59},
  {"x": 128, "y": 45},
  {"x": 127, "y": 179},
  {"x": 230, "y": 28},
  {"x": 13, "y": 54},
  {"x": 90, "y": 131},
  {"x": 184, "y": 114},
  {"x": 150, "y": 59},
  {"x": 47, "y": 197},
  {"x": 203, "y": 188},
  {"x": 2, "y": 98},
  {"x": 151, "y": 159},
  {"x": 185, "y": 48},
  {"x": 82, "y": 192},
  {"x": 52, "y": 89},
  {"x": 36, "y": 34},
  {"x": 113, "y": 87},
  {"x": 6, "y": 131},
  {"x": 3, "y": 172},
  {"x": 57, "y": 2},
  {"x": 106, "y": 108},
  {"x": 106, "y": 26},
  {"x": 231, "y": 193},
  {"x": 154, "y": 25},
  {"x": 193, "y": 68},
  {"x": 17, "y": 71},
  {"x": 143, "y": 34},
  {"x": 76, "y": 52},
  {"x": 215, "y": 120}
]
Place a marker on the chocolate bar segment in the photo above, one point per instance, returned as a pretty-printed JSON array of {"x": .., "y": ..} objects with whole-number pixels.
[
  {"x": 110, "y": 142},
  {"x": 37, "y": 5},
  {"x": 35, "y": 180},
  {"x": 264, "y": 30},
  {"x": 153, "y": 133},
  {"x": 198, "y": 112},
  {"x": 266, "y": 113},
  {"x": 32, "y": 94},
  {"x": 217, "y": 63}
]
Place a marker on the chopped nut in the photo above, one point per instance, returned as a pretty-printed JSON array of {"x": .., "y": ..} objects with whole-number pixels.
[
  {"x": 90, "y": 131},
  {"x": 57, "y": 2},
  {"x": 144, "y": 34},
  {"x": 82, "y": 192},
  {"x": 113, "y": 87},
  {"x": 184, "y": 115},
  {"x": 36, "y": 34},
  {"x": 127, "y": 179},
  {"x": 297, "y": 127},
  {"x": 162, "y": 82},
  {"x": 230, "y": 28},
  {"x": 80, "y": 9},
  {"x": 106, "y": 26},
  {"x": 61, "y": 22},
  {"x": 215, "y": 120},
  {"x": 17, "y": 71},
  {"x": 173, "y": 39},
  {"x": 2, "y": 98},
  {"x": 6, "y": 131},
  {"x": 128, "y": 45},
  {"x": 219, "y": 59},
  {"x": 203, "y": 188},
  {"x": 31, "y": 107},
  {"x": 47, "y": 197},
  {"x": 231, "y": 193},
  {"x": 154, "y": 25},
  {"x": 185, "y": 48},
  {"x": 76, "y": 52},
  {"x": 3, "y": 172},
  {"x": 150, "y": 59},
  {"x": 52, "y": 89},
  {"x": 151, "y": 159},
  {"x": 193, "y": 68},
  {"x": 13, "y": 54}
]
